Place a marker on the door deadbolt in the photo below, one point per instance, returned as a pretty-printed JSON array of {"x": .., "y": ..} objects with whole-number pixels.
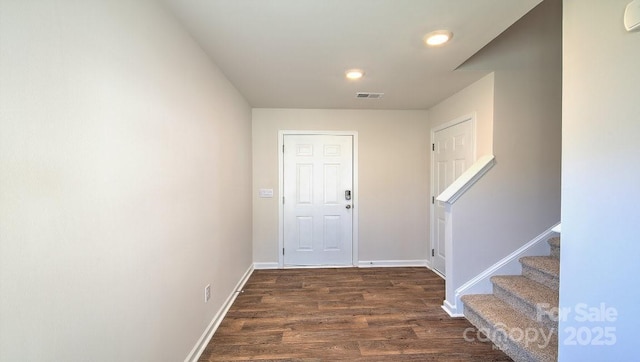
[
  {"x": 347, "y": 195},
  {"x": 348, "y": 206}
]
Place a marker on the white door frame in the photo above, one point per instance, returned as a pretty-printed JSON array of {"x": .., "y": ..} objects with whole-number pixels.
[
  {"x": 355, "y": 197},
  {"x": 432, "y": 237}
]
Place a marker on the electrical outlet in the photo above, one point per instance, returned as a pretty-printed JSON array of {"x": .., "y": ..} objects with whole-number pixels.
[{"x": 207, "y": 293}]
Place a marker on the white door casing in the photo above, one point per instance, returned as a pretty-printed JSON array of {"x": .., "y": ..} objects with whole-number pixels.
[
  {"x": 453, "y": 151},
  {"x": 317, "y": 226}
]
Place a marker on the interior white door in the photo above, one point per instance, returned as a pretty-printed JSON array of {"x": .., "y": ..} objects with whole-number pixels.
[
  {"x": 453, "y": 152},
  {"x": 318, "y": 186}
]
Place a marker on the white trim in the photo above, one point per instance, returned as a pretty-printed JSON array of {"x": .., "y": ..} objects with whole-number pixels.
[
  {"x": 436, "y": 272},
  {"x": 391, "y": 263},
  {"x": 449, "y": 262},
  {"x": 451, "y": 310},
  {"x": 280, "y": 196},
  {"x": 356, "y": 190},
  {"x": 428, "y": 265},
  {"x": 317, "y": 266},
  {"x": 260, "y": 266},
  {"x": 509, "y": 265},
  {"x": 202, "y": 343},
  {"x": 469, "y": 117},
  {"x": 467, "y": 179},
  {"x": 558, "y": 228}
]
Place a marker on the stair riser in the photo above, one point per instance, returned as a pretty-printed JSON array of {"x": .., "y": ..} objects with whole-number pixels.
[
  {"x": 543, "y": 278},
  {"x": 554, "y": 243},
  {"x": 524, "y": 306},
  {"x": 503, "y": 341}
]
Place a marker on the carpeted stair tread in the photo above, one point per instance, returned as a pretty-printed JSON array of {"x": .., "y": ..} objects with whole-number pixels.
[
  {"x": 542, "y": 269},
  {"x": 522, "y": 306},
  {"x": 526, "y": 288},
  {"x": 546, "y": 264},
  {"x": 527, "y": 296},
  {"x": 554, "y": 243},
  {"x": 505, "y": 325}
]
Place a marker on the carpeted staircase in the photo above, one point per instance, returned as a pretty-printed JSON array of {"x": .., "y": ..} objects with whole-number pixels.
[{"x": 520, "y": 317}]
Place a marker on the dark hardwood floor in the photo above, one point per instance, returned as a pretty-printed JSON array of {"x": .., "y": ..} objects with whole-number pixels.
[{"x": 351, "y": 314}]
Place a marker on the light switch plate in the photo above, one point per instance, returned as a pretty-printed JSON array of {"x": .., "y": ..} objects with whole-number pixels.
[{"x": 265, "y": 193}]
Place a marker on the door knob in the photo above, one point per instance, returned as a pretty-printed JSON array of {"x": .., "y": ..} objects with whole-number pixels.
[{"x": 348, "y": 206}]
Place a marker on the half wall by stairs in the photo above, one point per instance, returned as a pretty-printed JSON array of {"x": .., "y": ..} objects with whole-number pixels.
[{"x": 520, "y": 317}]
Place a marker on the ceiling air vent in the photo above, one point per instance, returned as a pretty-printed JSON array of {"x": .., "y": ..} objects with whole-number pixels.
[{"x": 369, "y": 95}]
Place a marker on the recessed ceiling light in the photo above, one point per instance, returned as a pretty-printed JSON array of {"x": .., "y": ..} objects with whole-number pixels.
[
  {"x": 438, "y": 37},
  {"x": 354, "y": 74}
]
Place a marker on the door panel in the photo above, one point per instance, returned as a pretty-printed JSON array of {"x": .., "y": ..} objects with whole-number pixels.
[
  {"x": 453, "y": 154},
  {"x": 304, "y": 182},
  {"x": 317, "y": 223},
  {"x": 332, "y": 239},
  {"x": 304, "y": 231}
]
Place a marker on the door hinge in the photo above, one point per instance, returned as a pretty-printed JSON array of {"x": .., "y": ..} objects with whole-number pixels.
[
  {"x": 433, "y": 252},
  {"x": 433, "y": 199},
  {"x": 283, "y": 200},
  {"x": 282, "y": 148},
  {"x": 282, "y": 251},
  {"x": 433, "y": 147}
]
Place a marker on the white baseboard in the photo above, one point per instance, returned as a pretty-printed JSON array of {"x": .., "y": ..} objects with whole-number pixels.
[
  {"x": 197, "y": 350},
  {"x": 391, "y": 263},
  {"x": 361, "y": 264},
  {"x": 437, "y": 273},
  {"x": 316, "y": 266},
  {"x": 428, "y": 264},
  {"x": 451, "y": 310}
]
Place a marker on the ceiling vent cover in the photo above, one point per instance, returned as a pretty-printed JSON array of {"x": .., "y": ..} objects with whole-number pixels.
[{"x": 369, "y": 95}]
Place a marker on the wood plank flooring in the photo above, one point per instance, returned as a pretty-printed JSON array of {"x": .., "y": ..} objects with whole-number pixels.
[{"x": 350, "y": 314}]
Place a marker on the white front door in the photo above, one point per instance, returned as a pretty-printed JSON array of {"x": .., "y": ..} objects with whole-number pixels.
[
  {"x": 318, "y": 207},
  {"x": 453, "y": 153}
]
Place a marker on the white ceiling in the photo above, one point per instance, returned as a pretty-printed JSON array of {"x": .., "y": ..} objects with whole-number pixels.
[{"x": 293, "y": 53}]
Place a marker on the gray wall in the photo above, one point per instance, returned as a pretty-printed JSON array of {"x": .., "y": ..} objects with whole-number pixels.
[
  {"x": 600, "y": 180},
  {"x": 125, "y": 180},
  {"x": 520, "y": 197}
]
